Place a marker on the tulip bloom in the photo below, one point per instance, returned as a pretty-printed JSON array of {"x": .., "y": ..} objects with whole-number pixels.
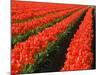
[
  {"x": 23, "y": 53},
  {"x": 80, "y": 55}
]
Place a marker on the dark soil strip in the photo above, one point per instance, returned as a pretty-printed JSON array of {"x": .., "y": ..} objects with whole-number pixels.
[{"x": 94, "y": 39}]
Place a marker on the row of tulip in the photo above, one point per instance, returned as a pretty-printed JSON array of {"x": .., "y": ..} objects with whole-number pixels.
[
  {"x": 19, "y": 8},
  {"x": 18, "y": 11},
  {"x": 21, "y": 28},
  {"x": 27, "y": 15},
  {"x": 23, "y": 37},
  {"x": 24, "y": 5},
  {"x": 48, "y": 59},
  {"x": 80, "y": 55},
  {"x": 23, "y": 53}
]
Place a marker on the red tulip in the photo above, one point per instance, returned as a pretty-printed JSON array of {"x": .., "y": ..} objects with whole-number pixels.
[
  {"x": 80, "y": 56},
  {"x": 23, "y": 53},
  {"x": 21, "y": 28}
]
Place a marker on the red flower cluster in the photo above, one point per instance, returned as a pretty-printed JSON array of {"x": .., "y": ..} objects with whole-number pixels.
[
  {"x": 80, "y": 56},
  {"x": 23, "y": 7},
  {"x": 21, "y": 28},
  {"x": 32, "y": 14},
  {"x": 24, "y": 52}
]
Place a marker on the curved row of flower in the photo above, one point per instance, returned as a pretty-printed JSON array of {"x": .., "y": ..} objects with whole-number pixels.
[
  {"x": 19, "y": 8},
  {"x": 25, "y": 6},
  {"x": 32, "y": 14},
  {"x": 21, "y": 28},
  {"x": 20, "y": 11},
  {"x": 80, "y": 56},
  {"x": 23, "y": 53}
]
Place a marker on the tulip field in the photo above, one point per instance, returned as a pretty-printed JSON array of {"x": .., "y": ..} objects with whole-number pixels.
[{"x": 51, "y": 37}]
